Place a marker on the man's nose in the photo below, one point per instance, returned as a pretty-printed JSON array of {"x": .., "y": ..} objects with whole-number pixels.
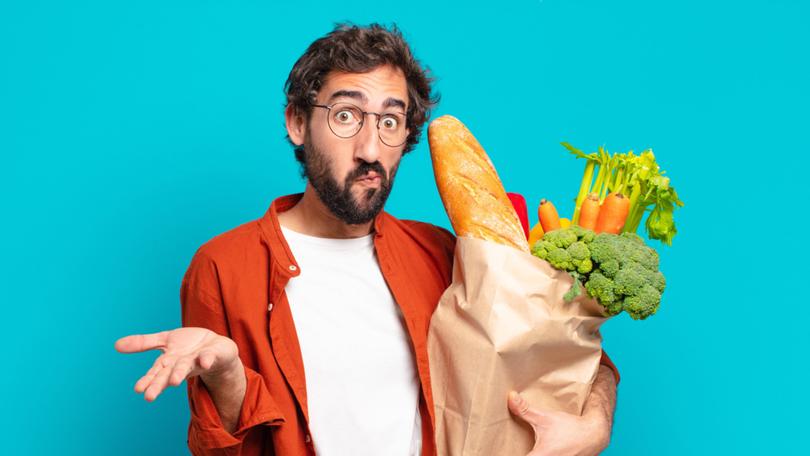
[{"x": 367, "y": 146}]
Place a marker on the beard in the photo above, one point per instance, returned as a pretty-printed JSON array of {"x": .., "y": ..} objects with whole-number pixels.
[{"x": 340, "y": 199}]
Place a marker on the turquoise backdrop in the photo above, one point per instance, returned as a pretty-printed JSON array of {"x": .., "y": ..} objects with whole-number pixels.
[{"x": 133, "y": 132}]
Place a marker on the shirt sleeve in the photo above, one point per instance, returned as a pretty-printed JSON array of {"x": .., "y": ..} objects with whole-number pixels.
[
  {"x": 202, "y": 306},
  {"x": 606, "y": 361}
]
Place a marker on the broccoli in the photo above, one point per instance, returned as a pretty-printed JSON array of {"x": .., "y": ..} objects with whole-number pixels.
[
  {"x": 541, "y": 248},
  {"x": 644, "y": 256},
  {"x": 633, "y": 237},
  {"x": 579, "y": 251},
  {"x": 631, "y": 278},
  {"x": 601, "y": 288},
  {"x": 578, "y": 231},
  {"x": 603, "y": 248},
  {"x": 609, "y": 268},
  {"x": 659, "y": 281},
  {"x": 585, "y": 266},
  {"x": 642, "y": 304},
  {"x": 560, "y": 259},
  {"x": 620, "y": 271},
  {"x": 561, "y": 238},
  {"x": 580, "y": 257}
]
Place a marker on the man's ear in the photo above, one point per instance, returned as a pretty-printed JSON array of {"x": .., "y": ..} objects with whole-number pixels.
[{"x": 296, "y": 125}]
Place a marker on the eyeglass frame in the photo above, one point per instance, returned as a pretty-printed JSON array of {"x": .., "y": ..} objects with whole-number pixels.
[{"x": 362, "y": 121}]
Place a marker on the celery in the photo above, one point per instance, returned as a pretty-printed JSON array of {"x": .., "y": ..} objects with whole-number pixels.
[{"x": 639, "y": 175}]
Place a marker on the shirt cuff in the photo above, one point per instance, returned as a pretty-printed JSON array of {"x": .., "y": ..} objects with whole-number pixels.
[
  {"x": 206, "y": 430},
  {"x": 605, "y": 361}
]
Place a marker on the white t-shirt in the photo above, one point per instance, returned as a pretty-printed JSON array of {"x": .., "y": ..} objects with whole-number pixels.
[{"x": 362, "y": 384}]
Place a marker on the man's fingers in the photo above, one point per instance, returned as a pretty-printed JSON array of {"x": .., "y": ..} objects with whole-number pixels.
[
  {"x": 181, "y": 370},
  {"x": 141, "y": 342},
  {"x": 207, "y": 358},
  {"x": 143, "y": 382},
  {"x": 158, "y": 383},
  {"x": 520, "y": 408}
]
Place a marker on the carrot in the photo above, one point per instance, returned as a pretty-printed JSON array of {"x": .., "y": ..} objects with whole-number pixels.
[
  {"x": 535, "y": 234},
  {"x": 613, "y": 214},
  {"x": 589, "y": 212},
  {"x": 547, "y": 214}
]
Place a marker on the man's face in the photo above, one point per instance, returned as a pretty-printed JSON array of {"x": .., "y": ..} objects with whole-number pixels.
[{"x": 354, "y": 176}]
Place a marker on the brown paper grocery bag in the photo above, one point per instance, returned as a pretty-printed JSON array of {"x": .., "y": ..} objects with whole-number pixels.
[{"x": 503, "y": 325}]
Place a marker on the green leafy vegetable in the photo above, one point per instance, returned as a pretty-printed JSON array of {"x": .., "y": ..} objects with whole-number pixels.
[
  {"x": 620, "y": 271},
  {"x": 636, "y": 176}
]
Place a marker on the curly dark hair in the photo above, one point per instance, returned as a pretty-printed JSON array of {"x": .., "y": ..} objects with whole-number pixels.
[{"x": 355, "y": 49}]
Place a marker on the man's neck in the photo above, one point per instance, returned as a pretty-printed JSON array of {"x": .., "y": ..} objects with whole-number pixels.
[{"x": 311, "y": 217}]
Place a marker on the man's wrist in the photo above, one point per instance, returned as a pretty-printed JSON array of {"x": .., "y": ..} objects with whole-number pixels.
[
  {"x": 225, "y": 378},
  {"x": 227, "y": 389},
  {"x": 229, "y": 373}
]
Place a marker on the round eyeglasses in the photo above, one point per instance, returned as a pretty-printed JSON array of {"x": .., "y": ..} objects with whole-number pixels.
[{"x": 346, "y": 120}]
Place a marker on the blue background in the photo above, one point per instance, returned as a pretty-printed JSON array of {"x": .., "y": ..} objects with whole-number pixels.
[{"x": 132, "y": 132}]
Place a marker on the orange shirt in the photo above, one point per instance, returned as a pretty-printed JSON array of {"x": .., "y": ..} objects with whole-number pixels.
[{"x": 235, "y": 287}]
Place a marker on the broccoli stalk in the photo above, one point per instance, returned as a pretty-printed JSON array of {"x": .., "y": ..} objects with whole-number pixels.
[{"x": 575, "y": 290}]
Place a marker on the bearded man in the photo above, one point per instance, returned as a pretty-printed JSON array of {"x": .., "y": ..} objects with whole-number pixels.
[{"x": 305, "y": 331}]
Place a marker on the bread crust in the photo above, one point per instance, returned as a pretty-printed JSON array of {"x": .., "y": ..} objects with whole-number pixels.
[{"x": 471, "y": 191}]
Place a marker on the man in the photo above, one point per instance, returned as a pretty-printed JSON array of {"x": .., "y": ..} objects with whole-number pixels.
[{"x": 305, "y": 331}]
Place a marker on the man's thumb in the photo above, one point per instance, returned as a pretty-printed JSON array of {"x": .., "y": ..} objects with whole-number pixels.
[{"x": 520, "y": 408}]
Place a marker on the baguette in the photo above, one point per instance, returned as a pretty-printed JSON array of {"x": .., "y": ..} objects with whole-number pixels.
[{"x": 471, "y": 191}]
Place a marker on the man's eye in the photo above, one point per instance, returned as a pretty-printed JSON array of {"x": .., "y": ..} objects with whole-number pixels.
[
  {"x": 345, "y": 116},
  {"x": 390, "y": 122}
]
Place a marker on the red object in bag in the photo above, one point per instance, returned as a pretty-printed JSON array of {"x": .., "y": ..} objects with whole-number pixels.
[{"x": 519, "y": 203}]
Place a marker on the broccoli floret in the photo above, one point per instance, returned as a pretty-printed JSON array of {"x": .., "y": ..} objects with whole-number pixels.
[
  {"x": 561, "y": 238},
  {"x": 578, "y": 231},
  {"x": 609, "y": 268},
  {"x": 644, "y": 303},
  {"x": 632, "y": 270},
  {"x": 603, "y": 248},
  {"x": 579, "y": 251},
  {"x": 658, "y": 281},
  {"x": 560, "y": 259},
  {"x": 613, "y": 308},
  {"x": 541, "y": 248},
  {"x": 575, "y": 289},
  {"x": 601, "y": 288},
  {"x": 631, "y": 278},
  {"x": 585, "y": 266},
  {"x": 641, "y": 254},
  {"x": 588, "y": 237},
  {"x": 633, "y": 237}
]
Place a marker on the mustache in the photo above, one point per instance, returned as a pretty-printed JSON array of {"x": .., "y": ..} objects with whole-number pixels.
[{"x": 366, "y": 167}]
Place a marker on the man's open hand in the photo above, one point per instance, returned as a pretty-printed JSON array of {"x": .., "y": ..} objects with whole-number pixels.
[
  {"x": 562, "y": 434},
  {"x": 186, "y": 352}
]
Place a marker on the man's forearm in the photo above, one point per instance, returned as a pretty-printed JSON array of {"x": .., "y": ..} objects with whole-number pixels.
[
  {"x": 602, "y": 400},
  {"x": 227, "y": 390}
]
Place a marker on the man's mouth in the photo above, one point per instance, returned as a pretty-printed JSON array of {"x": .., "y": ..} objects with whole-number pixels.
[{"x": 370, "y": 179}]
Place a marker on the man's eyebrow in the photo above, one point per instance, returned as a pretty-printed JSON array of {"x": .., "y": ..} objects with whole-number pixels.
[
  {"x": 349, "y": 94},
  {"x": 394, "y": 102},
  {"x": 390, "y": 102}
]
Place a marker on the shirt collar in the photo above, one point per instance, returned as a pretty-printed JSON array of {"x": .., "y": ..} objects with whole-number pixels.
[{"x": 271, "y": 231}]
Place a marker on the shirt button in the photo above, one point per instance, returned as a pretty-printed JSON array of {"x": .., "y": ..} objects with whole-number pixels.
[
  {"x": 308, "y": 438},
  {"x": 269, "y": 307},
  {"x": 292, "y": 267}
]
